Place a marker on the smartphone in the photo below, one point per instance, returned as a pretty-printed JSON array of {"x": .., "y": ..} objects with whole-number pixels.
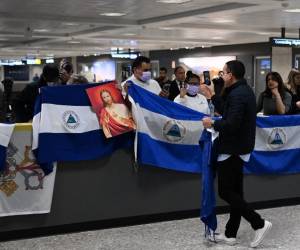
[
  {"x": 166, "y": 87},
  {"x": 206, "y": 76}
]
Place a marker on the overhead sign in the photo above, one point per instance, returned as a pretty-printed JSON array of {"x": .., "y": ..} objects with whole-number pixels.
[{"x": 286, "y": 42}]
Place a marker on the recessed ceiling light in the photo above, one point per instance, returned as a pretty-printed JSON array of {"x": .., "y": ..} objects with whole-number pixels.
[
  {"x": 167, "y": 28},
  {"x": 223, "y": 21},
  {"x": 40, "y": 30},
  {"x": 293, "y": 10},
  {"x": 74, "y": 42},
  {"x": 173, "y": 1},
  {"x": 70, "y": 24},
  {"x": 129, "y": 34},
  {"x": 264, "y": 33},
  {"x": 217, "y": 37},
  {"x": 112, "y": 14}
]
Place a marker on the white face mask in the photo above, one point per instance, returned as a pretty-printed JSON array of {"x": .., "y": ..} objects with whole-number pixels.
[{"x": 146, "y": 76}]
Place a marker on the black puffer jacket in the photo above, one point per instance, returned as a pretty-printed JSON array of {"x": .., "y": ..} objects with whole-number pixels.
[{"x": 238, "y": 123}]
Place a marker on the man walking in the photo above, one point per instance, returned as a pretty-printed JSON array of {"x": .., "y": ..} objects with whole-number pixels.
[{"x": 235, "y": 144}]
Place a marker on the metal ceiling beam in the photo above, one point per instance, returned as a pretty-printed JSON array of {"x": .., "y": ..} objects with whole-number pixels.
[
  {"x": 70, "y": 19},
  {"x": 202, "y": 11}
]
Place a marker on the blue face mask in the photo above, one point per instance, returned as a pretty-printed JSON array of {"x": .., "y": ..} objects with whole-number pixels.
[
  {"x": 192, "y": 89},
  {"x": 146, "y": 76}
]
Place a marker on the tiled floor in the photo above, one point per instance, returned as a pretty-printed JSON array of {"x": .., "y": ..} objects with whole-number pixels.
[{"x": 174, "y": 235}]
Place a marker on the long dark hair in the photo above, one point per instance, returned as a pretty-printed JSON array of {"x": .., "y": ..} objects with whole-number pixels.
[{"x": 275, "y": 77}]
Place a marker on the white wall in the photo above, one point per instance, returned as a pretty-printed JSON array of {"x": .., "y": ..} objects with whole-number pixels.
[{"x": 282, "y": 61}]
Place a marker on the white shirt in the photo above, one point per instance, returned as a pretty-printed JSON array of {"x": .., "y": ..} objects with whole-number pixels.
[
  {"x": 197, "y": 103},
  {"x": 223, "y": 157},
  {"x": 151, "y": 85},
  {"x": 178, "y": 84}
]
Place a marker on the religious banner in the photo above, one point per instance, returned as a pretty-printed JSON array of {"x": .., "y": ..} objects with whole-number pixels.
[{"x": 114, "y": 116}]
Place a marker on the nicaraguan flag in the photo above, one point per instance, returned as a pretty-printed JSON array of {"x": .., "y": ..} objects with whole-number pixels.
[
  {"x": 208, "y": 202},
  {"x": 6, "y": 131},
  {"x": 277, "y": 145},
  {"x": 66, "y": 129},
  {"x": 167, "y": 133}
]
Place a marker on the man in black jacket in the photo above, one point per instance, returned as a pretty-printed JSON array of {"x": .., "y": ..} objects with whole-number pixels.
[
  {"x": 178, "y": 83},
  {"x": 234, "y": 145},
  {"x": 25, "y": 101}
]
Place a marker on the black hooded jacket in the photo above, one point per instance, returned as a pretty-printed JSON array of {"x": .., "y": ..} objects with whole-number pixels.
[{"x": 237, "y": 126}]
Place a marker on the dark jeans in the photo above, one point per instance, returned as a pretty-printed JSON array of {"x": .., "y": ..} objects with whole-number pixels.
[{"x": 230, "y": 185}]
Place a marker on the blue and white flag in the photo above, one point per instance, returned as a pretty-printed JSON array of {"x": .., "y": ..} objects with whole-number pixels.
[
  {"x": 208, "y": 201},
  {"x": 167, "y": 133},
  {"x": 6, "y": 131},
  {"x": 277, "y": 146},
  {"x": 65, "y": 128}
]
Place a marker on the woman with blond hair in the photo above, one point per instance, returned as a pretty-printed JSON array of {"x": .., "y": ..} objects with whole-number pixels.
[{"x": 293, "y": 85}]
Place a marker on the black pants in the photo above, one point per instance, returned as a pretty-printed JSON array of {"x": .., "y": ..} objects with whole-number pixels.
[{"x": 230, "y": 185}]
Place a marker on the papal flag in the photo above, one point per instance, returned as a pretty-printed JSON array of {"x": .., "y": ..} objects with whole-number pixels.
[
  {"x": 6, "y": 131},
  {"x": 24, "y": 187}
]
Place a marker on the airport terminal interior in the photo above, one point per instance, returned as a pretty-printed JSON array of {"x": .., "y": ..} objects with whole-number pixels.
[{"x": 76, "y": 174}]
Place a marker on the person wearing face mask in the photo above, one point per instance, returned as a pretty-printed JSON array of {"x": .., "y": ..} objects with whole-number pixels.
[
  {"x": 190, "y": 97},
  {"x": 141, "y": 76},
  {"x": 275, "y": 100}
]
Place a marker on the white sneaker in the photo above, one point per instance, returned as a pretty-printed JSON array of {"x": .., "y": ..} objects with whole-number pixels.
[
  {"x": 222, "y": 239},
  {"x": 260, "y": 234}
]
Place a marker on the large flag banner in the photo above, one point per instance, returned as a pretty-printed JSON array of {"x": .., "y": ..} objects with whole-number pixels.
[
  {"x": 6, "y": 131},
  {"x": 168, "y": 134},
  {"x": 208, "y": 202},
  {"x": 277, "y": 146},
  {"x": 65, "y": 128},
  {"x": 24, "y": 188}
]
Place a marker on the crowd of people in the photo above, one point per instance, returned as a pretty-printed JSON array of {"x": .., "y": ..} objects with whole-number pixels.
[
  {"x": 22, "y": 106},
  {"x": 231, "y": 98},
  {"x": 186, "y": 88},
  {"x": 278, "y": 98}
]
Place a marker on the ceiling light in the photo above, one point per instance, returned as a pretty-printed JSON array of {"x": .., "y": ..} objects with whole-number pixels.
[
  {"x": 167, "y": 28},
  {"x": 264, "y": 33},
  {"x": 293, "y": 10},
  {"x": 40, "y": 30},
  {"x": 70, "y": 24},
  {"x": 173, "y": 1},
  {"x": 217, "y": 37},
  {"x": 129, "y": 34},
  {"x": 74, "y": 42},
  {"x": 223, "y": 21},
  {"x": 112, "y": 14}
]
